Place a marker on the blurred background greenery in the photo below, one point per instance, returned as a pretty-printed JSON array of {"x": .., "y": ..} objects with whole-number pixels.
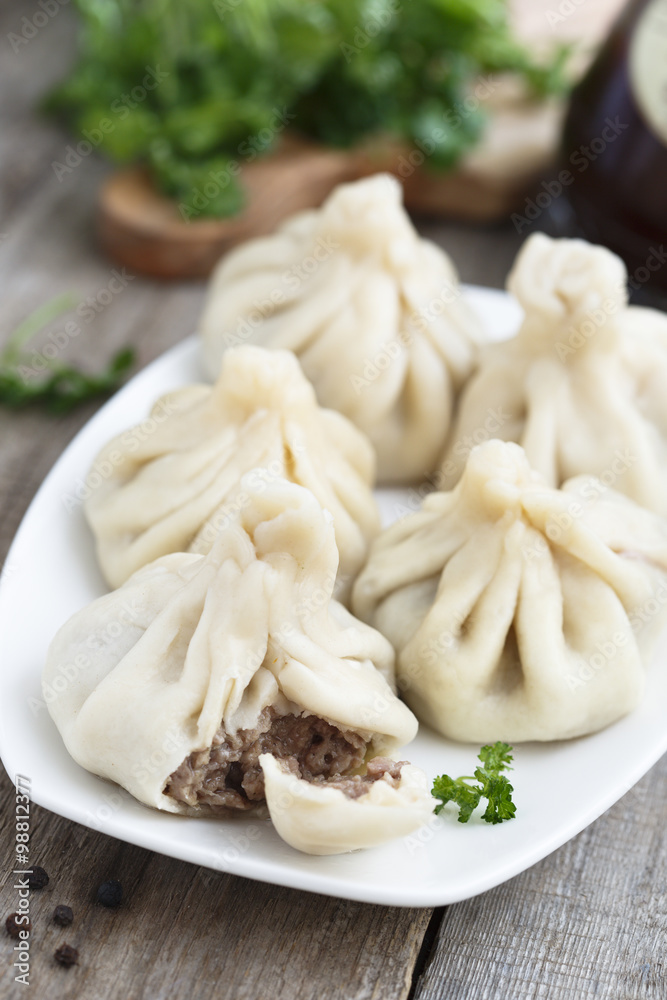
[{"x": 342, "y": 72}]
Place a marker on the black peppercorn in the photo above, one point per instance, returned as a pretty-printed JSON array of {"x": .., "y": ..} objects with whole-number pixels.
[
  {"x": 110, "y": 893},
  {"x": 37, "y": 878},
  {"x": 14, "y": 928},
  {"x": 63, "y": 915},
  {"x": 66, "y": 955}
]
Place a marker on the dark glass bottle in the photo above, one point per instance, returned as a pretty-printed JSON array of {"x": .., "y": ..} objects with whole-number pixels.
[{"x": 615, "y": 145}]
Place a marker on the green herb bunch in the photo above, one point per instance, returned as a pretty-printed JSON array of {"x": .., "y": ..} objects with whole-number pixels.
[
  {"x": 194, "y": 89},
  {"x": 492, "y": 785}
]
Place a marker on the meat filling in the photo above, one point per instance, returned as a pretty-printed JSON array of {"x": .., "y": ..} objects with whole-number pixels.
[
  {"x": 356, "y": 785},
  {"x": 227, "y": 775}
]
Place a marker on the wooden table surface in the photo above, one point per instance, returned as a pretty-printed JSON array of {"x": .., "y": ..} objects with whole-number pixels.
[{"x": 589, "y": 921}]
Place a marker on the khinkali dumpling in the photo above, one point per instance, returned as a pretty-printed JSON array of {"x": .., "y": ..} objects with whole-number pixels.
[
  {"x": 373, "y": 311},
  {"x": 518, "y": 611},
  {"x": 582, "y": 385},
  {"x": 390, "y": 800},
  {"x": 172, "y": 489},
  {"x": 174, "y": 684}
]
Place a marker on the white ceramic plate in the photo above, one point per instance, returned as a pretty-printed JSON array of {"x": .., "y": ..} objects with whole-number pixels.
[{"x": 559, "y": 788}]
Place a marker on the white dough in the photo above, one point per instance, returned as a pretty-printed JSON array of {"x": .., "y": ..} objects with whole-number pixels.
[
  {"x": 169, "y": 487},
  {"x": 319, "y": 820},
  {"x": 145, "y": 675},
  {"x": 518, "y": 611},
  {"x": 582, "y": 387},
  {"x": 373, "y": 311}
]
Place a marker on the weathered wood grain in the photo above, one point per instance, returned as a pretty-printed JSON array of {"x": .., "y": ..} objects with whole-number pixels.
[
  {"x": 184, "y": 932},
  {"x": 589, "y": 921}
]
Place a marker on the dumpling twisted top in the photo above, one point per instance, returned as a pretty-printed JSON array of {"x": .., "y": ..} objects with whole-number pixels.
[
  {"x": 581, "y": 385},
  {"x": 519, "y": 611},
  {"x": 373, "y": 311},
  {"x": 171, "y": 488},
  {"x": 561, "y": 284},
  {"x": 195, "y": 648}
]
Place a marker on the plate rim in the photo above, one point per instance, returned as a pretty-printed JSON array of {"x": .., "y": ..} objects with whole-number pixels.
[{"x": 302, "y": 879}]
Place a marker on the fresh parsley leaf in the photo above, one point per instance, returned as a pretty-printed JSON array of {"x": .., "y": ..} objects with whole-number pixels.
[
  {"x": 496, "y": 757},
  {"x": 63, "y": 386},
  {"x": 492, "y": 785}
]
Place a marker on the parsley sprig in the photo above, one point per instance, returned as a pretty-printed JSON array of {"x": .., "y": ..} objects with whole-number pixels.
[
  {"x": 62, "y": 386},
  {"x": 492, "y": 786}
]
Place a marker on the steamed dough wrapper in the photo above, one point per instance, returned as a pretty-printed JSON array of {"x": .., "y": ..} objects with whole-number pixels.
[
  {"x": 335, "y": 817},
  {"x": 517, "y": 611},
  {"x": 373, "y": 311},
  {"x": 582, "y": 385},
  {"x": 172, "y": 488},
  {"x": 225, "y": 657}
]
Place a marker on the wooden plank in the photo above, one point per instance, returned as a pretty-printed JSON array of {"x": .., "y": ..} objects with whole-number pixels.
[
  {"x": 182, "y": 929},
  {"x": 184, "y": 932},
  {"x": 589, "y": 921}
]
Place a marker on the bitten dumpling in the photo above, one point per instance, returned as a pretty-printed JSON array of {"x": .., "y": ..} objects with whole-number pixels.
[
  {"x": 391, "y": 800},
  {"x": 373, "y": 311},
  {"x": 518, "y": 611},
  {"x": 171, "y": 490},
  {"x": 582, "y": 385},
  {"x": 175, "y": 684}
]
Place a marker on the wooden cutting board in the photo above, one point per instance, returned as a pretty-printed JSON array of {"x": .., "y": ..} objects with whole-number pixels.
[
  {"x": 148, "y": 233},
  {"x": 142, "y": 229}
]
